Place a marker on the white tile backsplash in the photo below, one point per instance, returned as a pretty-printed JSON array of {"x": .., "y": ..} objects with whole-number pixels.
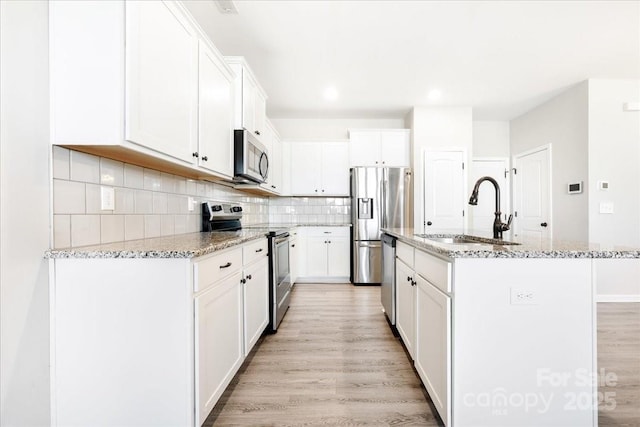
[
  {"x": 111, "y": 228},
  {"x": 133, "y": 227},
  {"x": 68, "y": 197},
  {"x": 143, "y": 202},
  {"x": 133, "y": 176},
  {"x": 85, "y": 167},
  {"x": 125, "y": 201},
  {"x": 152, "y": 226},
  {"x": 111, "y": 172},
  {"x": 62, "y": 231},
  {"x": 150, "y": 203},
  {"x": 85, "y": 230},
  {"x": 152, "y": 180},
  {"x": 60, "y": 163}
]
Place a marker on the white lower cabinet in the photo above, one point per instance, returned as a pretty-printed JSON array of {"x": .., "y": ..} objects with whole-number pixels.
[
  {"x": 256, "y": 302},
  {"x": 406, "y": 305},
  {"x": 171, "y": 332},
  {"x": 433, "y": 344},
  {"x": 219, "y": 346},
  {"x": 326, "y": 254},
  {"x": 294, "y": 255}
]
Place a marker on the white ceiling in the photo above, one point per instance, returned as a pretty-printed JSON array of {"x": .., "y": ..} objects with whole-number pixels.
[{"x": 383, "y": 57}]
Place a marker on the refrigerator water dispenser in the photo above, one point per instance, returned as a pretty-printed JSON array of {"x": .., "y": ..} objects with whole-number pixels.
[{"x": 365, "y": 208}]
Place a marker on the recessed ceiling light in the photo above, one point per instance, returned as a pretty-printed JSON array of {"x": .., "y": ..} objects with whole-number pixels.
[
  {"x": 434, "y": 95},
  {"x": 226, "y": 6},
  {"x": 330, "y": 93}
]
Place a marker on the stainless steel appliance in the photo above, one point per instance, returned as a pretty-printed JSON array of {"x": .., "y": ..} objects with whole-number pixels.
[
  {"x": 380, "y": 198},
  {"x": 251, "y": 160},
  {"x": 224, "y": 217},
  {"x": 279, "y": 277},
  {"x": 388, "y": 285}
]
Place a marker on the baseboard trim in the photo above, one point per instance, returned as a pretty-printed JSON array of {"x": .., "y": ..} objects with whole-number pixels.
[
  {"x": 618, "y": 298},
  {"x": 322, "y": 280}
]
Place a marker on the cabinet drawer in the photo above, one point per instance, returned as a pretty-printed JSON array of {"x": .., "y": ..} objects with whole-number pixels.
[
  {"x": 405, "y": 253},
  {"x": 327, "y": 231},
  {"x": 216, "y": 267},
  {"x": 253, "y": 251},
  {"x": 435, "y": 270}
]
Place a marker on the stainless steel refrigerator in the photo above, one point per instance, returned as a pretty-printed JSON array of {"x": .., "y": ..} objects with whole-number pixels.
[{"x": 380, "y": 198}]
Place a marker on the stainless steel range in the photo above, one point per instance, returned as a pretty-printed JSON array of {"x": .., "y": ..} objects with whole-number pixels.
[{"x": 224, "y": 217}]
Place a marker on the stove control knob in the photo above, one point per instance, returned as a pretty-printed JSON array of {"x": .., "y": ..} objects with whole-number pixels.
[
  {"x": 236, "y": 209},
  {"x": 216, "y": 208}
]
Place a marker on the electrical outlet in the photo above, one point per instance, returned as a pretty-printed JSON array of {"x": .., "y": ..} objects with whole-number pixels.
[
  {"x": 190, "y": 203},
  {"x": 107, "y": 198},
  {"x": 606, "y": 207},
  {"x": 521, "y": 296}
]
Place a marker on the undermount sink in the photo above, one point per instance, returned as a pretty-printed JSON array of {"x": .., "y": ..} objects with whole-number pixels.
[{"x": 466, "y": 240}]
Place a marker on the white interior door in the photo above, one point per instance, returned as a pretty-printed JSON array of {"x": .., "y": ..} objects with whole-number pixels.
[
  {"x": 481, "y": 216},
  {"x": 532, "y": 195},
  {"x": 444, "y": 190}
]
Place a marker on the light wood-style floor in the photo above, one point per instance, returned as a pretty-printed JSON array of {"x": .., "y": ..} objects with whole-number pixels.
[{"x": 335, "y": 361}]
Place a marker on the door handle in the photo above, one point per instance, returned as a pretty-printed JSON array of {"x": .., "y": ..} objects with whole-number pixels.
[{"x": 544, "y": 224}]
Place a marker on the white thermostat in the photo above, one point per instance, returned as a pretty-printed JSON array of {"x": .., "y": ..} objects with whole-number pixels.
[{"x": 574, "y": 187}]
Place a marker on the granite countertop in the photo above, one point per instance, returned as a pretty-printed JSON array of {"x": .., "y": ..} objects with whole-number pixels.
[
  {"x": 491, "y": 248},
  {"x": 189, "y": 245}
]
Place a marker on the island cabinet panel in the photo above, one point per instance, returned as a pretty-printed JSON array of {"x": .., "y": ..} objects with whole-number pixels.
[
  {"x": 524, "y": 331},
  {"x": 122, "y": 337},
  {"x": 433, "y": 344},
  {"x": 405, "y": 305}
]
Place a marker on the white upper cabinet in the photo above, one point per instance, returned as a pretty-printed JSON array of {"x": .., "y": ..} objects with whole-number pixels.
[
  {"x": 383, "y": 147},
  {"x": 320, "y": 168},
  {"x": 140, "y": 82},
  {"x": 275, "y": 160},
  {"x": 215, "y": 123},
  {"x": 251, "y": 100},
  {"x": 161, "y": 97}
]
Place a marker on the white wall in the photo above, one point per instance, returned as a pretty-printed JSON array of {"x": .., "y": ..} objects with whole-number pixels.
[
  {"x": 563, "y": 123},
  {"x": 329, "y": 129},
  {"x": 490, "y": 139},
  {"x": 436, "y": 128},
  {"x": 614, "y": 150},
  {"x": 614, "y": 156},
  {"x": 24, "y": 214}
]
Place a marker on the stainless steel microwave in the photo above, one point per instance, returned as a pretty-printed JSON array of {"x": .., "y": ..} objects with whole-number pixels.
[{"x": 251, "y": 160}]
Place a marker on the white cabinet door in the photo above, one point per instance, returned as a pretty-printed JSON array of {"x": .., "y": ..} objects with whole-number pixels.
[
  {"x": 219, "y": 329},
  {"x": 276, "y": 163},
  {"x": 248, "y": 102},
  {"x": 405, "y": 305},
  {"x": 161, "y": 79},
  {"x": 394, "y": 148},
  {"x": 260, "y": 113},
  {"x": 338, "y": 257},
  {"x": 305, "y": 168},
  {"x": 364, "y": 148},
  {"x": 433, "y": 344},
  {"x": 294, "y": 259},
  {"x": 444, "y": 190},
  {"x": 256, "y": 302},
  {"x": 335, "y": 169},
  {"x": 215, "y": 120},
  {"x": 317, "y": 256}
]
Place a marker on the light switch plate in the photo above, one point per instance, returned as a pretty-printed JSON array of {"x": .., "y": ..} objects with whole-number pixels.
[
  {"x": 107, "y": 198},
  {"x": 190, "y": 203},
  {"x": 606, "y": 207}
]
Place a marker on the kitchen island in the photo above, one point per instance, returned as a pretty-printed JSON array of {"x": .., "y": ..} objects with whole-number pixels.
[{"x": 502, "y": 334}]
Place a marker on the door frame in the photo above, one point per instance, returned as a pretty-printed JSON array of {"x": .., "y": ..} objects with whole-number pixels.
[
  {"x": 514, "y": 178},
  {"x": 505, "y": 192},
  {"x": 465, "y": 178}
]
